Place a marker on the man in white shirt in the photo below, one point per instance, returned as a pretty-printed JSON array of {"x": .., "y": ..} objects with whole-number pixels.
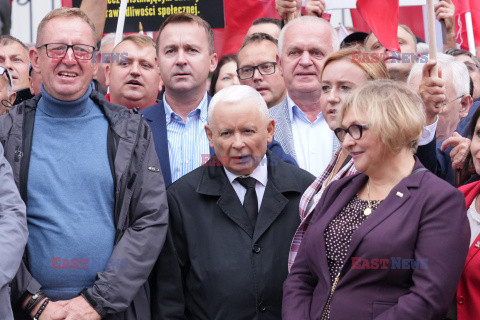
[
  {"x": 302, "y": 131},
  {"x": 233, "y": 234}
]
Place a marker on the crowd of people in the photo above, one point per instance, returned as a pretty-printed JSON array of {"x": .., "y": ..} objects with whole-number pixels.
[{"x": 300, "y": 178}]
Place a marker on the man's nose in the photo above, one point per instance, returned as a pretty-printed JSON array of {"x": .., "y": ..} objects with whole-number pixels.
[
  {"x": 305, "y": 58},
  {"x": 238, "y": 142}
]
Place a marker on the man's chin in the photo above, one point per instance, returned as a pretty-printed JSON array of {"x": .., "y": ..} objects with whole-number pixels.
[{"x": 399, "y": 72}]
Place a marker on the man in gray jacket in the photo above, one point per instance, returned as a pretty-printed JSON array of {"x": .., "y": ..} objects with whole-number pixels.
[
  {"x": 13, "y": 234},
  {"x": 89, "y": 175}
]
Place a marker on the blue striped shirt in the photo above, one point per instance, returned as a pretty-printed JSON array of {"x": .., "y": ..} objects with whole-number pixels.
[{"x": 188, "y": 146}]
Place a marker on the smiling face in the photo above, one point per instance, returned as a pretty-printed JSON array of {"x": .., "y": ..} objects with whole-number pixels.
[
  {"x": 475, "y": 147},
  {"x": 271, "y": 87},
  {"x": 338, "y": 79},
  {"x": 134, "y": 77},
  {"x": 67, "y": 78},
  {"x": 306, "y": 45},
  {"x": 239, "y": 135},
  {"x": 227, "y": 76},
  {"x": 368, "y": 152},
  {"x": 398, "y": 65},
  {"x": 184, "y": 58},
  {"x": 14, "y": 57}
]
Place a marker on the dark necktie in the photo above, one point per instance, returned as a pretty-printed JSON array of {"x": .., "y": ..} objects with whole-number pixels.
[{"x": 250, "y": 202}]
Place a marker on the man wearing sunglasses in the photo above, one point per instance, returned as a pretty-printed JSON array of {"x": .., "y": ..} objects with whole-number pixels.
[
  {"x": 7, "y": 95},
  {"x": 14, "y": 57},
  {"x": 88, "y": 171}
]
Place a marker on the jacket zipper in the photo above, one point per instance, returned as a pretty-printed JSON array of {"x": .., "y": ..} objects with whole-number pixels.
[
  {"x": 327, "y": 305},
  {"x": 120, "y": 203}
]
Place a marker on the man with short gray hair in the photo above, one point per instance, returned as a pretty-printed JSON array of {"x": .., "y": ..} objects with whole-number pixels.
[
  {"x": 233, "y": 256},
  {"x": 302, "y": 131}
]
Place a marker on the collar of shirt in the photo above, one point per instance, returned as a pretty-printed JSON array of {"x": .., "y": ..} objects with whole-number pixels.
[
  {"x": 201, "y": 109},
  {"x": 260, "y": 173},
  {"x": 295, "y": 111}
]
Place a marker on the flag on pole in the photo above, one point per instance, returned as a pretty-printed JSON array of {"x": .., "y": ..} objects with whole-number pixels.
[
  {"x": 382, "y": 18},
  {"x": 461, "y": 8}
]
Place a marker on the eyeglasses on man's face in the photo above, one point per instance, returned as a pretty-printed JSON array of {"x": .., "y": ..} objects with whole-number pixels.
[
  {"x": 59, "y": 50},
  {"x": 5, "y": 71},
  {"x": 265, "y": 69},
  {"x": 355, "y": 131}
]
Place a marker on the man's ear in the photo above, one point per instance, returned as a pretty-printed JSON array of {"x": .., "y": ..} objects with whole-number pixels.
[
  {"x": 208, "y": 131},
  {"x": 279, "y": 64},
  {"x": 33, "y": 54},
  {"x": 466, "y": 103},
  {"x": 270, "y": 130},
  {"x": 12, "y": 96},
  {"x": 213, "y": 62},
  {"x": 107, "y": 75}
]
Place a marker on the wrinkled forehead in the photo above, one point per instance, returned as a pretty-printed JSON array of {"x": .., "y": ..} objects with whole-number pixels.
[{"x": 61, "y": 29}]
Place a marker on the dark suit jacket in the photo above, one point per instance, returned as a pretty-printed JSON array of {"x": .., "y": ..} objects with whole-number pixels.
[
  {"x": 228, "y": 270},
  {"x": 155, "y": 116},
  {"x": 423, "y": 218}
]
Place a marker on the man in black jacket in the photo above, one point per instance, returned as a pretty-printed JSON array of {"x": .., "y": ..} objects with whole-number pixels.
[
  {"x": 231, "y": 220},
  {"x": 88, "y": 172}
]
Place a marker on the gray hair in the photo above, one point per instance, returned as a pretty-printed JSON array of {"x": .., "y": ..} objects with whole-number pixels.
[
  {"x": 458, "y": 52},
  {"x": 305, "y": 19},
  {"x": 109, "y": 38},
  {"x": 455, "y": 70},
  {"x": 235, "y": 94}
]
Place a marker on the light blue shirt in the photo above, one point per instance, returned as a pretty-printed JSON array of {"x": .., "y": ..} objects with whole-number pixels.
[
  {"x": 314, "y": 142},
  {"x": 188, "y": 146}
]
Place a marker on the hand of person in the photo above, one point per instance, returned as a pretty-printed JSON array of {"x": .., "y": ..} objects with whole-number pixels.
[
  {"x": 75, "y": 309},
  {"x": 314, "y": 7},
  {"x": 286, "y": 8},
  {"x": 459, "y": 152},
  {"x": 51, "y": 308},
  {"x": 432, "y": 90},
  {"x": 445, "y": 10}
]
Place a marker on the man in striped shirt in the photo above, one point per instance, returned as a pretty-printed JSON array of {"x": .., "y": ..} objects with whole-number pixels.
[{"x": 185, "y": 52}]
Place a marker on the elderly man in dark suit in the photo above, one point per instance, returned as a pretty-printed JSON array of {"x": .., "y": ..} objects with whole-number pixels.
[{"x": 232, "y": 219}]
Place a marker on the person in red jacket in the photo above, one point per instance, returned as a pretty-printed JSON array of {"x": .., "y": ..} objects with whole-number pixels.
[{"x": 468, "y": 292}]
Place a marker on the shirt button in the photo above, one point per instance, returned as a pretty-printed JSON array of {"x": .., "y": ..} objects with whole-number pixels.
[
  {"x": 460, "y": 299},
  {"x": 261, "y": 307},
  {"x": 187, "y": 161},
  {"x": 256, "y": 248}
]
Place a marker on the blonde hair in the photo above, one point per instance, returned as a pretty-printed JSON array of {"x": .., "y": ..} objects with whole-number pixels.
[
  {"x": 64, "y": 12},
  {"x": 140, "y": 40},
  {"x": 374, "y": 70},
  {"x": 394, "y": 111}
]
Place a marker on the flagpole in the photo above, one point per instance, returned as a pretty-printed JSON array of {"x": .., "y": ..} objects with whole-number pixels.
[
  {"x": 121, "y": 21},
  {"x": 470, "y": 37},
  {"x": 432, "y": 39}
]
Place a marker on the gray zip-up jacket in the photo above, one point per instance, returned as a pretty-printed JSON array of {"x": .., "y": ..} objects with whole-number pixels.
[
  {"x": 13, "y": 234},
  {"x": 140, "y": 214}
]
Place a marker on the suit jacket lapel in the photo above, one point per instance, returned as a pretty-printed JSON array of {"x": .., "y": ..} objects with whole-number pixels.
[
  {"x": 214, "y": 182},
  {"x": 331, "y": 209},
  {"x": 272, "y": 205},
  {"x": 383, "y": 211},
  {"x": 473, "y": 251},
  {"x": 157, "y": 122},
  {"x": 283, "y": 125}
]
